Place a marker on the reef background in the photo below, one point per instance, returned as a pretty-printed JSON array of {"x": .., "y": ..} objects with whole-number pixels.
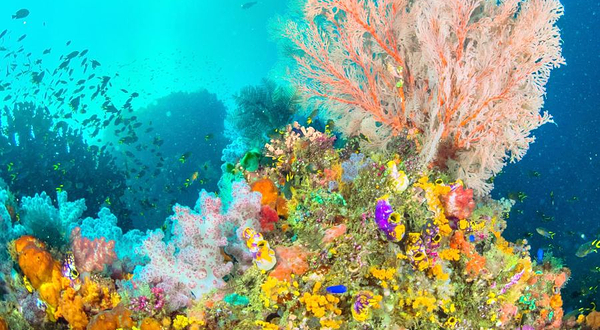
[{"x": 158, "y": 50}]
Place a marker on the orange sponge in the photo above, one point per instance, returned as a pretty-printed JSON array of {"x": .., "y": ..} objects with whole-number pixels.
[
  {"x": 150, "y": 324},
  {"x": 71, "y": 309},
  {"x": 268, "y": 191},
  {"x": 119, "y": 317},
  {"x": 42, "y": 271}
]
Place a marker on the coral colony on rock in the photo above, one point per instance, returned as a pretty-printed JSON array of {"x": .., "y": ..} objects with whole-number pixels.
[{"x": 382, "y": 219}]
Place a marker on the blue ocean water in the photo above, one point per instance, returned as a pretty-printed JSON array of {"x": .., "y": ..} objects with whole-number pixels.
[
  {"x": 175, "y": 53},
  {"x": 560, "y": 172}
]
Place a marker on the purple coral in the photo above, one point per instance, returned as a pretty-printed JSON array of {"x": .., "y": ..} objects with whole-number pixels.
[
  {"x": 388, "y": 221},
  {"x": 512, "y": 282}
]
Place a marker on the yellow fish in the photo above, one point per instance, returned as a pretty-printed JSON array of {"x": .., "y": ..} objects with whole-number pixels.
[
  {"x": 587, "y": 248},
  {"x": 545, "y": 233},
  {"x": 27, "y": 284}
]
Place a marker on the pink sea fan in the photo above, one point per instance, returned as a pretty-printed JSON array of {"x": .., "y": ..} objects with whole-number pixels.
[
  {"x": 91, "y": 255},
  {"x": 468, "y": 75}
]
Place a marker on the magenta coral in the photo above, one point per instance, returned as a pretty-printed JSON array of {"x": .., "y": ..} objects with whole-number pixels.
[{"x": 91, "y": 255}]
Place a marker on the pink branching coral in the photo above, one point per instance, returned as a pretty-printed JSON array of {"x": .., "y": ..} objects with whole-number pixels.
[
  {"x": 191, "y": 263},
  {"x": 91, "y": 255},
  {"x": 468, "y": 75}
]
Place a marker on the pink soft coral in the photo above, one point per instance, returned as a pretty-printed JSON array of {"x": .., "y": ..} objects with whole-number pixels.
[{"x": 91, "y": 255}]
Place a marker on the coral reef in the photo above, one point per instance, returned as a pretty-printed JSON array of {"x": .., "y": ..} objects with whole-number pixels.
[{"x": 460, "y": 77}]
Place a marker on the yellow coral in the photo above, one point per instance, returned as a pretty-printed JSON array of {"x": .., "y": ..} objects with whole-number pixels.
[
  {"x": 432, "y": 193},
  {"x": 272, "y": 288},
  {"x": 330, "y": 324},
  {"x": 426, "y": 302},
  {"x": 383, "y": 275},
  {"x": 266, "y": 325},
  {"x": 450, "y": 254},
  {"x": 318, "y": 304},
  {"x": 439, "y": 273},
  {"x": 180, "y": 322}
]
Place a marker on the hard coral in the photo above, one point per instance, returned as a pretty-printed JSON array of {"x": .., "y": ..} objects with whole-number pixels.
[{"x": 334, "y": 232}]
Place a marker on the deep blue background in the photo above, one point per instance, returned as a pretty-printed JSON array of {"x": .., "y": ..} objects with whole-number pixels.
[{"x": 567, "y": 156}]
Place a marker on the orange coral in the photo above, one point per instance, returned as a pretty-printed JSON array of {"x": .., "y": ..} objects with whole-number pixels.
[
  {"x": 267, "y": 189},
  {"x": 560, "y": 279},
  {"x": 593, "y": 320},
  {"x": 150, "y": 324},
  {"x": 3, "y": 325},
  {"x": 292, "y": 259},
  {"x": 476, "y": 262},
  {"x": 71, "y": 309},
  {"x": 333, "y": 233},
  {"x": 281, "y": 207},
  {"x": 119, "y": 317},
  {"x": 556, "y": 301},
  {"x": 42, "y": 271}
]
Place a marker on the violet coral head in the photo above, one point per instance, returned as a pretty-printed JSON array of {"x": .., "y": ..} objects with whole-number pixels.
[
  {"x": 389, "y": 221},
  {"x": 383, "y": 209}
]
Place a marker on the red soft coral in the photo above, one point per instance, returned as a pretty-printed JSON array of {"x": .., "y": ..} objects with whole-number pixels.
[
  {"x": 459, "y": 203},
  {"x": 268, "y": 218}
]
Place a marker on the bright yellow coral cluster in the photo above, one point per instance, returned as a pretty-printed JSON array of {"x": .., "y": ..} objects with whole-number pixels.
[
  {"x": 449, "y": 254},
  {"x": 383, "y": 275},
  {"x": 423, "y": 302},
  {"x": 266, "y": 325},
  {"x": 272, "y": 288},
  {"x": 330, "y": 324},
  {"x": 180, "y": 322},
  {"x": 439, "y": 273},
  {"x": 99, "y": 296},
  {"x": 319, "y": 304},
  {"x": 432, "y": 193}
]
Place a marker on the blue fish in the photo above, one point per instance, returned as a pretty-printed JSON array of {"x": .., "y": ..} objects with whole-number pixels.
[
  {"x": 540, "y": 255},
  {"x": 337, "y": 289}
]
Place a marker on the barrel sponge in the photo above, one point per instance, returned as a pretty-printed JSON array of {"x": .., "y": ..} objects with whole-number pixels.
[{"x": 42, "y": 271}]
